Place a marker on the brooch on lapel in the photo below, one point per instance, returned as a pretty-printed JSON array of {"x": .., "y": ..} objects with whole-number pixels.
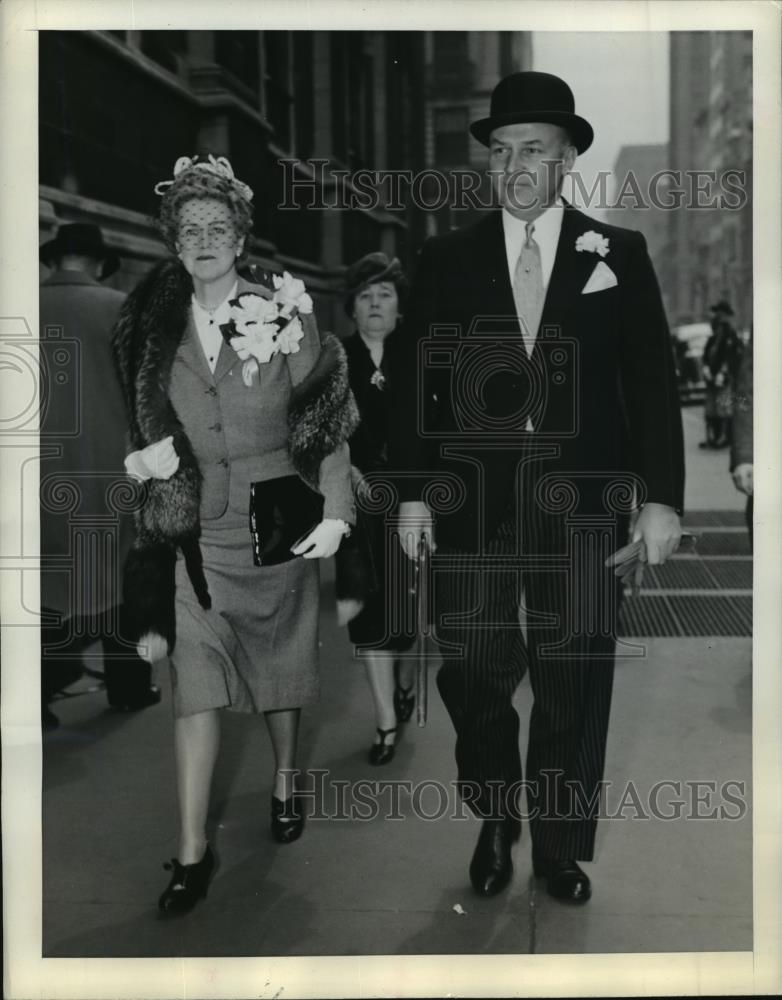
[
  {"x": 592, "y": 242},
  {"x": 378, "y": 380}
]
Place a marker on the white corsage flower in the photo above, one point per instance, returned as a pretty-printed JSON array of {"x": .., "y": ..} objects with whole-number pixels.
[
  {"x": 288, "y": 338},
  {"x": 592, "y": 242},
  {"x": 260, "y": 328},
  {"x": 249, "y": 309},
  {"x": 290, "y": 293},
  {"x": 259, "y": 341},
  {"x": 252, "y": 332}
]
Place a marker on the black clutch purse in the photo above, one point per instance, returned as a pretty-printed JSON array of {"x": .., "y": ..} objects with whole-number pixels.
[{"x": 283, "y": 511}]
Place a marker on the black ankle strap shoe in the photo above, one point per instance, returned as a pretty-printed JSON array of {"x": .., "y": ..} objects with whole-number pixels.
[{"x": 188, "y": 884}]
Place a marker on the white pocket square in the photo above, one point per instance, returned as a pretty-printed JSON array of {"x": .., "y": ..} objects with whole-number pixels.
[{"x": 602, "y": 277}]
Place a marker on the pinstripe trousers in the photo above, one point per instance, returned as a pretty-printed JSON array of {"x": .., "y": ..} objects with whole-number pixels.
[{"x": 571, "y": 603}]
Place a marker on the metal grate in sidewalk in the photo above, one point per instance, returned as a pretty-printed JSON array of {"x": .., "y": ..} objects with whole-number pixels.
[
  {"x": 686, "y": 615},
  {"x": 721, "y": 562},
  {"x": 723, "y": 543},
  {"x": 714, "y": 519}
]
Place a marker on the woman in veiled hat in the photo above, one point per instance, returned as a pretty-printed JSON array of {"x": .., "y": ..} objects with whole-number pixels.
[
  {"x": 239, "y": 417},
  {"x": 374, "y": 579}
]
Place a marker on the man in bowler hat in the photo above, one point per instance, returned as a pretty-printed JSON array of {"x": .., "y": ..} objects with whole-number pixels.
[
  {"x": 83, "y": 446},
  {"x": 536, "y": 414}
]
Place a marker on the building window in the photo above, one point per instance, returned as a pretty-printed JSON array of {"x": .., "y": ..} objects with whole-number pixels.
[
  {"x": 304, "y": 94},
  {"x": 451, "y": 53},
  {"x": 451, "y": 138},
  {"x": 166, "y": 48},
  {"x": 352, "y": 76},
  {"x": 237, "y": 51},
  {"x": 276, "y": 47},
  {"x": 506, "y": 53}
]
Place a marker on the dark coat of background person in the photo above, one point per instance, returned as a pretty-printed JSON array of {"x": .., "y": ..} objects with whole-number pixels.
[
  {"x": 741, "y": 452},
  {"x": 363, "y": 569},
  {"x": 83, "y": 429}
]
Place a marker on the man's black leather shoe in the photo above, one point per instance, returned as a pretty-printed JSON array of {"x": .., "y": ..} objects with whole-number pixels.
[
  {"x": 491, "y": 866},
  {"x": 564, "y": 879}
]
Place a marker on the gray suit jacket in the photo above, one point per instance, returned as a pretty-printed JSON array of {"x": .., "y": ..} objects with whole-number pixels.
[{"x": 239, "y": 434}]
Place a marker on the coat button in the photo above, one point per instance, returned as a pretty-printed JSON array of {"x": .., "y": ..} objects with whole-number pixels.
[
  {"x": 211, "y": 391},
  {"x": 216, "y": 427},
  {"x": 223, "y": 462}
]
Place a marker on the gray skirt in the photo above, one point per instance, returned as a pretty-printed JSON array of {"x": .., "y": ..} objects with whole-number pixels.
[{"x": 256, "y": 649}]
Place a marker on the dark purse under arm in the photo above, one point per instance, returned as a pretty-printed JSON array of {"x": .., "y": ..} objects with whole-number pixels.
[{"x": 283, "y": 511}]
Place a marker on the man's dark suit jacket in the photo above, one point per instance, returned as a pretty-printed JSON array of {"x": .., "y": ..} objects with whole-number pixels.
[{"x": 600, "y": 389}]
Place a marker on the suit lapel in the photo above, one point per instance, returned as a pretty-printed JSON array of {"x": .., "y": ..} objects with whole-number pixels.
[
  {"x": 571, "y": 268},
  {"x": 489, "y": 263}
]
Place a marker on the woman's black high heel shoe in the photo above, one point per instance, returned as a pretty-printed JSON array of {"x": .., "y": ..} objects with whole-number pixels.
[
  {"x": 404, "y": 702},
  {"x": 404, "y": 699},
  {"x": 382, "y": 752},
  {"x": 287, "y": 820},
  {"x": 188, "y": 884}
]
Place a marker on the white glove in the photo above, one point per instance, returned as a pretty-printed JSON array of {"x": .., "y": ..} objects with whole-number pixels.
[
  {"x": 323, "y": 541},
  {"x": 415, "y": 520},
  {"x": 156, "y": 461}
]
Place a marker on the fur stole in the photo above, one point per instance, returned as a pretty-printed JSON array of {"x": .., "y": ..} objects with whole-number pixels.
[{"x": 322, "y": 415}]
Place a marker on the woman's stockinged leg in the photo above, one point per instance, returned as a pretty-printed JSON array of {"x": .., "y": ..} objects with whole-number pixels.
[
  {"x": 283, "y": 728},
  {"x": 196, "y": 743},
  {"x": 379, "y": 666}
]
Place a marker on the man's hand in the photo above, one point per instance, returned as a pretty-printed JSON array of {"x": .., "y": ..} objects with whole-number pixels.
[
  {"x": 415, "y": 520},
  {"x": 742, "y": 478},
  {"x": 659, "y": 528}
]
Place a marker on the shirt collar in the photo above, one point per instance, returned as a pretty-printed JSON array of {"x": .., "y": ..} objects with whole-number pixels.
[{"x": 548, "y": 223}]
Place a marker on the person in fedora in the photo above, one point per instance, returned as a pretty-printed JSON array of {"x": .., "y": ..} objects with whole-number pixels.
[
  {"x": 536, "y": 412},
  {"x": 721, "y": 358},
  {"x": 83, "y": 438}
]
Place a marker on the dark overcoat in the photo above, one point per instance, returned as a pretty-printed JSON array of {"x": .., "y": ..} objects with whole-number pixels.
[{"x": 85, "y": 536}]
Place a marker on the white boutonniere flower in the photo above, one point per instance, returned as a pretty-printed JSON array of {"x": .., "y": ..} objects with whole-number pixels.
[{"x": 592, "y": 242}]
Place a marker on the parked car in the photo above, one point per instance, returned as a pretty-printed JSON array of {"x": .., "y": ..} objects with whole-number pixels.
[{"x": 689, "y": 341}]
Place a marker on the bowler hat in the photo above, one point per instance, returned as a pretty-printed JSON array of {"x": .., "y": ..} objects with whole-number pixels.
[
  {"x": 723, "y": 306},
  {"x": 369, "y": 270},
  {"x": 83, "y": 239},
  {"x": 534, "y": 97}
]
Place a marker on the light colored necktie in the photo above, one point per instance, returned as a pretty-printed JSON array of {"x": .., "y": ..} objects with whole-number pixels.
[{"x": 528, "y": 289}]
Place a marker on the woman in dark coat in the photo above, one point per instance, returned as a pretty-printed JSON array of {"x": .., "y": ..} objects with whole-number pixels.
[
  {"x": 721, "y": 359},
  {"x": 375, "y": 581},
  {"x": 228, "y": 404}
]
